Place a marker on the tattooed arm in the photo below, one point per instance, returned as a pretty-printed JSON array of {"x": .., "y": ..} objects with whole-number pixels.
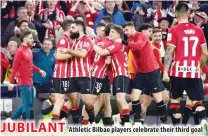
[{"x": 168, "y": 60}]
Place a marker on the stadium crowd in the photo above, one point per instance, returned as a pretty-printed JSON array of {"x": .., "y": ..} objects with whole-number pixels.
[{"x": 44, "y": 20}]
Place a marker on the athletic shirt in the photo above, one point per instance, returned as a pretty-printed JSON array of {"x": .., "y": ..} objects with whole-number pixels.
[
  {"x": 80, "y": 67},
  {"x": 61, "y": 69},
  {"x": 187, "y": 39}
]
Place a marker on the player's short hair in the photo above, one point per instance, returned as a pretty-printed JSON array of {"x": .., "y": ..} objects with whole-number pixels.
[
  {"x": 20, "y": 23},
  {"x": 128, "y": 24},
  {"x": 145, "y": 26},
  {"x": 118, "y": 29},
  {"x": 80, "y": 23},
  {"x": 80, "y": 15},
  {"x": 156, "y": 30},
  {"x": 24, "y": 34},
  {"x": 182, "y": 8},
  {"x": 66, "y": 24},
  {"x": 20, "y": 8},
  {"x": 100, "y": 25},
  {"x": 108, "y": 28},
  {"x": 107, "y": 19}
]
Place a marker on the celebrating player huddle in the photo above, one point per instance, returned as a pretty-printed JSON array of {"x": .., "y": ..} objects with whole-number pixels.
[{"x": 84, "y": 65}]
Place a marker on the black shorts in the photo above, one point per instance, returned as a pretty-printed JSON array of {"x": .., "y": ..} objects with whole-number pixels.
[
  {"x": 192, "y": 86},
  {"x": 148, "y": 82},
  {"x": 120, "y": 84},
  {"x": 99, "y": 85},
  {"x": 61, "y": 85},
  {"x": 79, "y": 84}
]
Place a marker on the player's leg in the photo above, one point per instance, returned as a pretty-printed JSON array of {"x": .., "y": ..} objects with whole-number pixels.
[
  {"x": 194, "y": 89},
  {"x": 106, "y": 94},
  {"x": 120, "y": 87},
  {"x": 65, "y": 108},
  {"x": 59, "y": 96},
  {"x": 107, "y": 119},
  {"x": 145, "y": 100},
  {"x": 87, "y": 97},
  {"x": 187, "y": 112},
  {"x": 154, "y": 83},
  {"x": 176, "y": 90},
  {"x": 135, "y": 95},
  {"x": 25, "y": 107}
]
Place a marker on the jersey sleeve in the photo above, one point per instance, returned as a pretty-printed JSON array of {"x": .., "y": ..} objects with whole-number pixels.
[
  {"x": 17, "y": 58},
  {"x": 172, "y": 38},
  {"x": 62, "y": 43},
  {"x": 114, "y": 48}
]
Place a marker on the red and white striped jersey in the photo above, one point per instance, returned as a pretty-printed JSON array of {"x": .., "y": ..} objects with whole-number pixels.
[
  {"x": 80, "y": 67},
  {"x": 187, "y": 39},
  {"x": 99, "y": 66},
  {"x": 119, "y": 60},
  {"x": 61, "y": 69},
  {"x": 45, "y": 17}
]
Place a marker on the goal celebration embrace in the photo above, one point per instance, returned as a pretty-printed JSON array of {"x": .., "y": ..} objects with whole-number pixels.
[{"x": 104, "y": 66}]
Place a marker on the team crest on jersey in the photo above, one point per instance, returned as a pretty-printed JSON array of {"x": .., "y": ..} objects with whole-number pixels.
[
  {"x": 169, "y": 37},
  {"x": 62, "y": 41}
]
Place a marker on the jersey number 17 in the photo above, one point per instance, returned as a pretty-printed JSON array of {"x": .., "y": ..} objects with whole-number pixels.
[{"x": 187, "y": 46}]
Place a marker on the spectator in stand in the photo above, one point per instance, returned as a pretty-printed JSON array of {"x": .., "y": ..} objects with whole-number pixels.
[
  {"x": 84, "y": 7},
  {"x": 122, "y": 6},
  {"x": 4, "y": 65},
  {"x": 44, "y": 59},
  {"x": 22, "y": 15},
  {"x": 159, "y": 12},
  {"x": 6, "y": 15},
  {"x": 111, "y": 11},
  {"x": 164, "y": 26},
  {"x": 9, "y": 52},
  {"x": 89, "y": 31},
  {"x": 142, "y": 13},
  {"x": 51, "y": 19},
  {"x": 21, "y": 27}
]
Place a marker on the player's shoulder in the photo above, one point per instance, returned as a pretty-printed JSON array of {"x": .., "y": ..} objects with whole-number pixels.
[
  {"x": 86, "y": 38},
  {"x": 63, "y": 40}
]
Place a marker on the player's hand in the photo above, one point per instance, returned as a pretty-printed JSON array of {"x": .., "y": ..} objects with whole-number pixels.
[
  {"x": 166, "y": 77},
  {"x": 43, "y": 73},
  {"x": 100, "y": 44},
  {"x": 10, "y": 87}
]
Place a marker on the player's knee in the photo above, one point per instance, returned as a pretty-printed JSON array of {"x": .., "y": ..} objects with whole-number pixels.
[{"x": 135, "y": 94}]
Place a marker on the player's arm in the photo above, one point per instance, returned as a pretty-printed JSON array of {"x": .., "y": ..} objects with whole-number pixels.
[
  {"x": 139, "y": 44},
  {"x": 82, "y": 53},
  {"x": 203, "y": 62},
  {"x": 101, "y": 51},
  {"x": 204, "y": 49},
  {"x": 159, "y": 61},
  {"x": 59, "y": 55},
  {"x": 16, "y": 63},
  {"x": 168, "y": 57}
]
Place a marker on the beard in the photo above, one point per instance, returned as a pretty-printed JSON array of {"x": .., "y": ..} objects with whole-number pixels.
[
  {"x": 74, "y": 35},
  {"x": 30, "y": 44}
]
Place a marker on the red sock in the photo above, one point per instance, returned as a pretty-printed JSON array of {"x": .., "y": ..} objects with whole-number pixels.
[
  {"x": 55, "y": 116},
  {"x": 65, "y": 109},
  {"x": 84, "y": 122},
  {"x": 89, "y": 107},
  {"x": 74, "y": 107}
]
